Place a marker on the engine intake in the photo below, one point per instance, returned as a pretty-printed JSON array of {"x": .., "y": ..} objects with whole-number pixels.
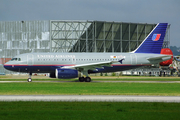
[{"x": 66, "y": 73}]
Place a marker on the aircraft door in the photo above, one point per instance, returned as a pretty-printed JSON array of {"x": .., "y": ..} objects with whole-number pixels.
[
  {"x": 30, "y": 59},
  {"x": 133, "y": 59},
  {"x": 73, "y": 60}
]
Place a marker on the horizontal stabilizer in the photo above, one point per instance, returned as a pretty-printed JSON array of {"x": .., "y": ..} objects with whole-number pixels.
[{"x": 159, "y": 59}]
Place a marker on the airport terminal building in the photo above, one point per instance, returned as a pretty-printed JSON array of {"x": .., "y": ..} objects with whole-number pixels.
[{"x": 19, "y": 37}]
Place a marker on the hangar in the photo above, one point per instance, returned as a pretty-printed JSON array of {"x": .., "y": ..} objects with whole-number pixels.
[{"x": 19, "y": 37}]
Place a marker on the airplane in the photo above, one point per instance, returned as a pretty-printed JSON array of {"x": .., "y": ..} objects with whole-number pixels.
[
  {"x": 176, "y": 64},
  {"x": 73, "y": 65}
]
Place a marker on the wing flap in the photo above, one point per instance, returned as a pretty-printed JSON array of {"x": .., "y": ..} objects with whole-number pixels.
[{"x": 91, "y": 66}]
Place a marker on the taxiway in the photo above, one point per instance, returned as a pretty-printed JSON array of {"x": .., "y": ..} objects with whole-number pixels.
[
  {"x": 90, "y": 98},
  {"x": 99, "y": 81}
]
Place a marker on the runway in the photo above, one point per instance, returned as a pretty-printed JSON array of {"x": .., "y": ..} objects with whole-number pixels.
[
  {"x": 97, "y": 81},
  {"x": 90, "y": 98}
]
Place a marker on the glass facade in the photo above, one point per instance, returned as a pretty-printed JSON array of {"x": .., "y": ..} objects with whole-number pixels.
[{"x": 98, "y": 36}]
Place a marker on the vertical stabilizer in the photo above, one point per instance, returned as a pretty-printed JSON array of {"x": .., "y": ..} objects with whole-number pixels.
[{"x": 154, "y": 41}]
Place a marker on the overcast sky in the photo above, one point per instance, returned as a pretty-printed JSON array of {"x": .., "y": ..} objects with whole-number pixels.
[{"x": 138, "y": 11}]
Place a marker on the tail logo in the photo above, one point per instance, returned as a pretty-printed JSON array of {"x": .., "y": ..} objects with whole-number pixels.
[{"x": 156, "y": 37}]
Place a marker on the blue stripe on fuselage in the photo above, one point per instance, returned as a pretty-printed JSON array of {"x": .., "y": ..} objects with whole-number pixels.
[{"x": 49, "y": 68}]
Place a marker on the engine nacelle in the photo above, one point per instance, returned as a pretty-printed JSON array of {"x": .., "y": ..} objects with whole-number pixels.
[
  {"x": 166, "y": 51},
  {"x": 66, "y": 73}
]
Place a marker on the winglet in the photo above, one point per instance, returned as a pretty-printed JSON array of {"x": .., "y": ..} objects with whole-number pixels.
[
  {"x": 121, "y": 60},
  {"x": 154, "y": 41}
]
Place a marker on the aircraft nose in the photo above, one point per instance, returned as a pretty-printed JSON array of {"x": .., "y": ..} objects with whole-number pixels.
[{"x": 7, "y": 66}]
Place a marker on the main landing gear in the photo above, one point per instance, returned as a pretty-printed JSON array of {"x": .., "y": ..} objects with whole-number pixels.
[
  {"x": 29, "y": 79},
  {"x": 86, "y": 79}
]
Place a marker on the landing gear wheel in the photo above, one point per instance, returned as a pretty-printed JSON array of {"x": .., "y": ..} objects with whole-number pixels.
[
  {"x": 29, "y": 80},
  {"x": 81, "y": 79},
  {"x": 87, "y": 79}
]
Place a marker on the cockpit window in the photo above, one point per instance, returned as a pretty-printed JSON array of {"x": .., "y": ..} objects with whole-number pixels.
[{"x": 16, "y": 59}]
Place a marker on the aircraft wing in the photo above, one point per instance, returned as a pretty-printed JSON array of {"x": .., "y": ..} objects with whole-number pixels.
[
  {"x": 92, "y": 66},
  {"x": 159, "y": 59}
]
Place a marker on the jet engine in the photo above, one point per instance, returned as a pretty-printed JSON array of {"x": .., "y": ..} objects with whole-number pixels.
[
  {"x": 66, "y": 73},
  {"x": 166, "y": 51}
]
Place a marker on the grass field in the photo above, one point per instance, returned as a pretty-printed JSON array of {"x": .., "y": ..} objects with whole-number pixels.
[
  {"x": 89, "y": 111},
  {"x": 93, "y": 88}
]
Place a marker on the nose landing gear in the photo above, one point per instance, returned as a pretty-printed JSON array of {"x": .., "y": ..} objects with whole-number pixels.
[{"x": 29, "y": 79}]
